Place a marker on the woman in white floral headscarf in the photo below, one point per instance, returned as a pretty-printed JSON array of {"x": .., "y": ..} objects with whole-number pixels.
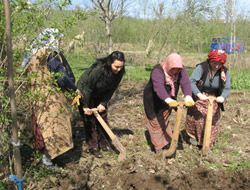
[
  {"x": 50, "y": 113},
  {"x": 48, "y": 38}
]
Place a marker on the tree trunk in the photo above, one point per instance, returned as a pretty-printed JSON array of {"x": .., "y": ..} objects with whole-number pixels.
[
  {"x": 108, "y": 30},
  {"x": 16, "y": 144}
]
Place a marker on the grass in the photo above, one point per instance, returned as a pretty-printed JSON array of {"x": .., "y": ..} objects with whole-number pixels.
[
  {"x": 240, "y": 79},
  {"x": 239, "y": 166},
  {"x": 79, "y": 63}
]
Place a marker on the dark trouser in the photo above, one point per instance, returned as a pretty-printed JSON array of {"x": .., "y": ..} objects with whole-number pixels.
[{"x": 95, "y": 135}]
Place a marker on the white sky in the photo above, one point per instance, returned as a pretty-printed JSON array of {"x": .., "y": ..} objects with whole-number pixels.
[{"x": 241, "y": 5}]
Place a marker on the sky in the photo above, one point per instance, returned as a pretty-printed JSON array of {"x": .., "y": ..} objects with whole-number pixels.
[{"x": 137, "y": 10}]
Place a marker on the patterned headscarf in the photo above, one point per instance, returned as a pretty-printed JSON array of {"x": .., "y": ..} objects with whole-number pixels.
[
  {"x": 48, "y": 38},
  {"x": 174, "y": 60},
  {"x": 218, "y": 56}
]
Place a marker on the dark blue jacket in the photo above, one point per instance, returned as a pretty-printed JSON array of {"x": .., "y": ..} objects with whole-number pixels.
[{"x": 58, "y": 64}]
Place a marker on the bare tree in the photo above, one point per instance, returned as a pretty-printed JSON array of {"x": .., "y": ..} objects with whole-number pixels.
[
  {"x": 233, "y": 30},
  {"x": 110, "y": 10},
  {"x": 228, "y": 10}
]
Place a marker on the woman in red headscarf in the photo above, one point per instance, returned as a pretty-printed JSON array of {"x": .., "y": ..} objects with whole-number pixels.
[
  {"x": 210, "y": 78},
  {"x": 160, "y": 96}
]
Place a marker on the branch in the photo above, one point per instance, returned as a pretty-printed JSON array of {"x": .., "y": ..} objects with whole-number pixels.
[
  {"x": 4, "y": 62},
  {"x": 4, "y": 39}
]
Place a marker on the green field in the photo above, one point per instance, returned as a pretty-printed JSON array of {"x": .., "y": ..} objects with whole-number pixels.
[{"x": 240, "y": 78}]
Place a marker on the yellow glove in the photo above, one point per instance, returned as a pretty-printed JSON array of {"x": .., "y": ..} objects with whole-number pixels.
[
  {"x": 171, "y": 102},
  {"x": 189, "y": 102},
  {"x": 76, "y": 101}
]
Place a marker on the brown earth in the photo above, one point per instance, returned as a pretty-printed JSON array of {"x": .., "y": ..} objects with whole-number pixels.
[{"x": 227, "y": 167}]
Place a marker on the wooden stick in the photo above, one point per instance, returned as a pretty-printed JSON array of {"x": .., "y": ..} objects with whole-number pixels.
[
  {"x": 207, "y": 132},
  {"x": 174, "y": 142},
  {"x": 115, "y": 141}
]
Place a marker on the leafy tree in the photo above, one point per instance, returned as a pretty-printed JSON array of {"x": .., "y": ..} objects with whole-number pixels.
[{"x": 26, "y": 21}]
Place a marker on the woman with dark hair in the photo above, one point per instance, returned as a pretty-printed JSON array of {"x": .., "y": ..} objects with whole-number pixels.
[
  {"x": 97, "y": 85},
  {"x": 209, "y": 78}
]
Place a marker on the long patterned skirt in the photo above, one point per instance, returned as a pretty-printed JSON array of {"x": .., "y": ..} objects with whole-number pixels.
[
  {"x": 159, "y": 129},
  {"x": 196, "y": 121}
]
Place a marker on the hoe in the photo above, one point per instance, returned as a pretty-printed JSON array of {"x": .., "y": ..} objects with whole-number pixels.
[
  {"x": 115, "y": 141},
  {"x": 207, "y": 132},
  {"x": 170, "y": 152}
]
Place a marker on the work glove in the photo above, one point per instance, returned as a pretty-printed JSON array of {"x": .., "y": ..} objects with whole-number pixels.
[
  {"x": 202, "y": 96},
  {"x": 171, "y": 102},
  {"x": 76, "y": 101},
  {"x": 220, "y": 99},
  {"x": 189, "y": 102}
]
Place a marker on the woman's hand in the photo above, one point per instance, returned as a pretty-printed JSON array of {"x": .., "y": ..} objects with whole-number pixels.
[
  {"x": 171, "y": 102},
  {"x": 220, "y": 99},
  {"x": 79, "y": 93},
  {"x": 87, "y": 111},
  {"x": 189, "y": 102},
  {"x": 101, "y": 108},
  {"x": 202, "y": 96}
]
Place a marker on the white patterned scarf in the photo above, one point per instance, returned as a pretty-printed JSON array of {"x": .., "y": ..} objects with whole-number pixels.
[{"x": 48, "y": 38}]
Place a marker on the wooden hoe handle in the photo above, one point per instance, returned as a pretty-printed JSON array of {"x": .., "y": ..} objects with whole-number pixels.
[
  {"x": 174, "y": 142},
  {"x": 207, "y": 132},
  {"x": 104, "y": 124},
  {"x": 115, "y": 141}
]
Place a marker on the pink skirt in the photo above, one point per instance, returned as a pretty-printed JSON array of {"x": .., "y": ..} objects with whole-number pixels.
[{"x": 159, "y": 129}]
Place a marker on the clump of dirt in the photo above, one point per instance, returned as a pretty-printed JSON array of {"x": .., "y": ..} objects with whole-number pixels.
[{"x": 227, "y": 167}]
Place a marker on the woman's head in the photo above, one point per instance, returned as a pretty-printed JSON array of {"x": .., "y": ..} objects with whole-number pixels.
[
  {"x": 215, "y": 65},
  {"x": 174, "y": 64},
  {"x": 216, "y": 59},
  {"x": 48, "y": 38},
  {"x": 217, "y": 56},
  {"x": 115, "y": 61}
]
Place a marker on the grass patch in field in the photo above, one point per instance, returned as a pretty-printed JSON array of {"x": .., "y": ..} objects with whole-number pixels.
[
  {"x": 79, "y": 63},
  {"x": 240, "y": 79},
  {"x": 235, "y": 153},
  {"x": 137, "y": 73},
  {"x": 42, "y": 172},
  {"x": 138, "y": 131},
  {"x": 224, "y": 136},
  {"x": 215, "y": 166},
  {"x": 220, "y": 145},
  {"x": 239, "y": 166},
  {"x": 4, "y": 186}
]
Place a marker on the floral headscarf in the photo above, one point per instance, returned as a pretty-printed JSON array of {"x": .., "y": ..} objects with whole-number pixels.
[
  {"x": 218, "y": 56},
  {"x": 48, "y": 38},
  {"x": 174, "y": 60}
]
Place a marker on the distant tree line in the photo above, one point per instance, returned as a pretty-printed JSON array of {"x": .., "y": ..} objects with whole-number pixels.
[{"x": 190, "y": 29}]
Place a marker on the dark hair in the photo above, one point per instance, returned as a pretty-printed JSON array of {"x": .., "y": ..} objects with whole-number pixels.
[
  {"x": 106, "y": 62},
  {"x": 116, "y": 55}
]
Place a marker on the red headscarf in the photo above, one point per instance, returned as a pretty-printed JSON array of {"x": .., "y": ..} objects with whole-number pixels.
[{"x": 218, "y": 56}]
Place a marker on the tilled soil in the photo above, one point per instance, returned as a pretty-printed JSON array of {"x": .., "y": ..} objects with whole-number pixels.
[{"x": 227, "y": 167}]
